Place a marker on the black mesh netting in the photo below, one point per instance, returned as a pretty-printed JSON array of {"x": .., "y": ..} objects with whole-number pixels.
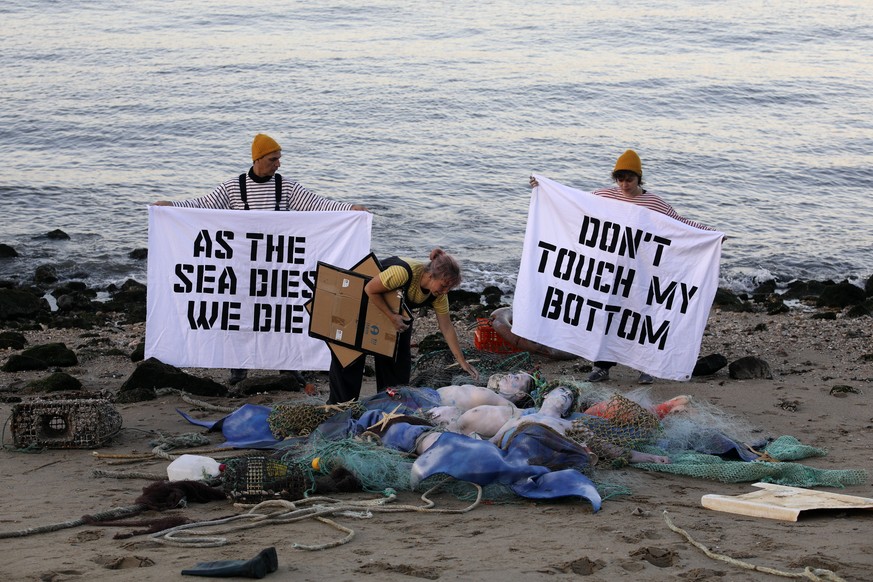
[{"x": 439, "y": 368}]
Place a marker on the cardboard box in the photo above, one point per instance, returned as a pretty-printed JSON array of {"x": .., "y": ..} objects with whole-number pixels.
[{"x": 341, "y": 314}]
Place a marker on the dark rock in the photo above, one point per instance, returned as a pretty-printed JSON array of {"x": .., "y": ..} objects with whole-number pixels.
[
  {"x": 730, "y": 301},
  {"x": 138, "y": 254},
  {"x": 774, "y": 305},
  {"x": 461, "y": 297},
  {"x": 7, "y": 252},
  {"x": 725, "y": 297},
  {"x": 138, "y": 354},
  {"x": 76, "y": 301},
  {"x": 45, "y": 274},
  {"x": 57, "y": 382},
  {"x": 286, "y": 382},
  {"x": 53, "y": 354},
  {"x": 868, "y": 287},
  {"x": 12, "y": 339},
  {"x": 749, "y": 368},
  {"x": 765, "y": 288},
  {"x": 863, "y": 310},
  {"x": 153, "y": 374},
  {"x": 841, "y": 295},
  {"x": 805, "y": 289},
  {"x": 21, "y": 363},
  {"x": 709, "y": 365},
  {"x": 493, "y": 296},
  {"x": 73, "y": 287},
  {"x": 21, "y": 304},
  {"x": 57, "y": 234},
  {"x": 130, "y": 300},
  {"x": 826, "y": 315}
]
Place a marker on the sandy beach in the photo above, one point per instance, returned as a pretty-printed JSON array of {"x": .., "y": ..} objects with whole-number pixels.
[{"x": 819, "y": 393}]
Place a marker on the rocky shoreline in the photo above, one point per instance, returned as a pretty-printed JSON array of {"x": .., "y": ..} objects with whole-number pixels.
[{"x": 51, "y": 347}]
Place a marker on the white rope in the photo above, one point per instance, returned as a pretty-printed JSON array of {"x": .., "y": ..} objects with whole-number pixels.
[
  {"x": 817, "y": 574},
  {"x": 210, "y": 534}
]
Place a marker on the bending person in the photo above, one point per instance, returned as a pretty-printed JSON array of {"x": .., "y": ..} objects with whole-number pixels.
[{"x": 421, "y": 284}]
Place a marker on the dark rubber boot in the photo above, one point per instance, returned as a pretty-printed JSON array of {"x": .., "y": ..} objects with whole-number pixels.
[
  {"x": 257, "y": 567},
  {"x": 272, "y": 559}
]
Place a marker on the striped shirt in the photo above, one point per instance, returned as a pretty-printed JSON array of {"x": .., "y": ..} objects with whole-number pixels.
[
  {"x": 262, "y": 196},
  {"x": 395, "y": 277},
  {"x": 650, "y": 201}
]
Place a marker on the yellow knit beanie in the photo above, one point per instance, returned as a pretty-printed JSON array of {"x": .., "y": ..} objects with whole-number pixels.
[
  {"x": 630, "y": 161},
  {"x": 262, "y": 145}
]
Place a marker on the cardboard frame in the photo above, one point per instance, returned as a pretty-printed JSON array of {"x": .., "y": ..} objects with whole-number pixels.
[{"x": 342, "y": 316}]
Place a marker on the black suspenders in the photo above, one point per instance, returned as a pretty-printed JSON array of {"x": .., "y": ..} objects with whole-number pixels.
[
  {"x": 242, "y": 190},
  {"x": 397, "y": 261}
]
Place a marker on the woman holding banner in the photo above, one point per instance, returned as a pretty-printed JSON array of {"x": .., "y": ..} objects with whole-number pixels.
[
  {"x": 421, "y": 284},
  {"x": 628, "y": 177}
]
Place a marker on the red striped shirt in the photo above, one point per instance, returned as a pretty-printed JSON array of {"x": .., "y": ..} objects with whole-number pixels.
[{"x": 650, "y": 201}]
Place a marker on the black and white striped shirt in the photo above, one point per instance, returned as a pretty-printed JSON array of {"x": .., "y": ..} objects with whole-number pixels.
[{"x": 262, "y": 196}]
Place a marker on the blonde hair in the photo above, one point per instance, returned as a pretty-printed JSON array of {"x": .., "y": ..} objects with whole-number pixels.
[{"x": 444, "y": 267}]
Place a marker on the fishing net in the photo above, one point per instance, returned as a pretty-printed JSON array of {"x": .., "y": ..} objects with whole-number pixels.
[
  {"x": 439, "y": 368},
  {"x": 715, "y": 468},
  {"x": 300, "y": 419},
  {"x": 376, "y": 467},
  {"x": 621, "y": 424},
  {"x": 788, "y": 448},
  {"x": 316, "y": 464}
]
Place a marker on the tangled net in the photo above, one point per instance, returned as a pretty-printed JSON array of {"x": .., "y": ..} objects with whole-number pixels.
[
  {"x": 624, "y": 426},
  {"x": 300, "y": 419},
  {"x": 438, "y": 368}
]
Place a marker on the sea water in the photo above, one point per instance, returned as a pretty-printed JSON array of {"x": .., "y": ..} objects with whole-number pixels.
[{"x": 753, "y": 117}]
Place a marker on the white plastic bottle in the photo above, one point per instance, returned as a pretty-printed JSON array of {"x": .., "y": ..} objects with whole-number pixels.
[{"x": 193, "y": 468}]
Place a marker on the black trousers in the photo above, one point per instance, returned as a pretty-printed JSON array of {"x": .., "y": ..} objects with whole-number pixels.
[
  {"x": 345, "y": 383},
  {"x": 604, "y": 365}
]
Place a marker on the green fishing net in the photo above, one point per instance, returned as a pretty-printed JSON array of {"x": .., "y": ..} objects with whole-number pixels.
[{"x": 714, "y": 468}]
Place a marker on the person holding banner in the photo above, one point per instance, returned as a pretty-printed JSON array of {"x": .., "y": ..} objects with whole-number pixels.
[
  {"x": 262, "y": 188},
  {"x": 421, "y": 284},
  {"x": 628, "y": 177}
]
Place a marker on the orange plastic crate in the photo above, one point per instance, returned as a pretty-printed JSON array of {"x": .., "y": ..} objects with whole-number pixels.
[{"x": 487, "y": 339}]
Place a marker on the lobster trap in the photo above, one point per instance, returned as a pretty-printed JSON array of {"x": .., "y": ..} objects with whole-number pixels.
[
  {"x": 70, "y": 421},
  {"x": 256, "y": 479}
]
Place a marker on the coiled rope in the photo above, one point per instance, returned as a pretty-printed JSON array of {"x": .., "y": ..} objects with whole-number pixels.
[{"x": 206, "y": 534}]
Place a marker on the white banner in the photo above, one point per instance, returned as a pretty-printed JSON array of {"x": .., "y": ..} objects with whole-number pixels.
[
  {"x": 613, "y": 281},
  {"x": 226, "y": 288}
]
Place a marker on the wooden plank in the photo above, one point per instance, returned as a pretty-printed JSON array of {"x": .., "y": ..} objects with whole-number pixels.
[{"x": 782, "y": 502}]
